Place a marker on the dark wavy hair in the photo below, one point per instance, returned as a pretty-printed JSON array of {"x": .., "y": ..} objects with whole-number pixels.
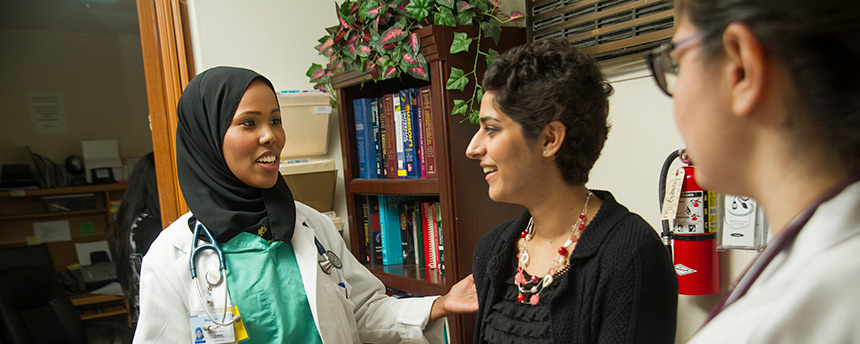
[
  {"x": 140, "y": 196},
  {"x": 818, "y": 42},
  {"x": 551, "y": 80}
]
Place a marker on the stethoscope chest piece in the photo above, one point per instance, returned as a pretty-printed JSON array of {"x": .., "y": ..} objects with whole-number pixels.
[{"x": 328, "y": 260}]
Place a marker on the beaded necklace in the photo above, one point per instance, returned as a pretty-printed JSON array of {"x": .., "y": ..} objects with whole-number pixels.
[{"x": 536, "y": 284}]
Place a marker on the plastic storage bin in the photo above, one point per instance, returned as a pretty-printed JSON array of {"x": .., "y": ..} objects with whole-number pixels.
[
  {"x": 312, "y": 182},
  {"x": 305, "y": 117}
]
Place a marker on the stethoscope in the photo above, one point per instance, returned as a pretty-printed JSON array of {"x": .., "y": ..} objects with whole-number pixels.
[{"x": 327, "y": 261}]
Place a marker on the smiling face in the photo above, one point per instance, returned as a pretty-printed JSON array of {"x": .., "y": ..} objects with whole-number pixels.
[
  {"x": 253, "y": 142},
  {"x": 511, "y": 163}
]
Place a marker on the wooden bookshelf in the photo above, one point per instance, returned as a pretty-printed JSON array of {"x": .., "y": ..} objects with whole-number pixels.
[{"x": 467, "y": 211}]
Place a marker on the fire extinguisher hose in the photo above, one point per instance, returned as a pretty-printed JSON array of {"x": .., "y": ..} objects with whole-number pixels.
[{"x": 664, "y": 172}]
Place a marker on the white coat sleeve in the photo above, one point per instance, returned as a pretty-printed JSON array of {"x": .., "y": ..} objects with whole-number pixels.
[
  {"x": 380, "y": 318},
  {"x": 164, "y": 315}
]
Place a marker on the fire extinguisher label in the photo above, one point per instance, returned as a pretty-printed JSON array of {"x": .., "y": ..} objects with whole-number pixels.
[
  {"x": 682, "y": 270},
  {"x": 692, "y": 213}
]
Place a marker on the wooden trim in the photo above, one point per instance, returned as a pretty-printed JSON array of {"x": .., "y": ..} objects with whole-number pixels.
[{"x": 166, "y": 56}]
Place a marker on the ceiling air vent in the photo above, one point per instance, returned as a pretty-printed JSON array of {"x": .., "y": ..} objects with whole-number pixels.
[{"x": 609, "y": 30}]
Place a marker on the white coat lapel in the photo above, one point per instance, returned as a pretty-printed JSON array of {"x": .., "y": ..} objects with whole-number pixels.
[{"x": 306, "y": 257}]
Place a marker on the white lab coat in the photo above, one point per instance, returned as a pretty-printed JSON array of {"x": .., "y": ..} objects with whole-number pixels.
[
  {"x": 167, "y": 295},
  {"x": 810, "y": 292}
]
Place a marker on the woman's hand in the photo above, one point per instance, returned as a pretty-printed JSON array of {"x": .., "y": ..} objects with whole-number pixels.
[{"x": 462, "y": 298}]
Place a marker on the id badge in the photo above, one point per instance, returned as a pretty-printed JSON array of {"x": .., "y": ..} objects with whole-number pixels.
[{"x": 204, "y": 331}]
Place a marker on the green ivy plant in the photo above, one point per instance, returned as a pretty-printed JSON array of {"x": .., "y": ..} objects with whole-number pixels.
[{"x": 378, "y": 37}]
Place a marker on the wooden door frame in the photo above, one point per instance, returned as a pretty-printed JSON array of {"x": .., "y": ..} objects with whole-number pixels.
[{"x": 168, "y": 66}]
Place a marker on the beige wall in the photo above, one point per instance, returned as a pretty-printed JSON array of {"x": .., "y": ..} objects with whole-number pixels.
[{"x": 100, "y": 77}]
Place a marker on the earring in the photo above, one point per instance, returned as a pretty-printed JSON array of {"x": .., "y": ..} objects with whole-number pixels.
[{"x": 545, "y": 152}]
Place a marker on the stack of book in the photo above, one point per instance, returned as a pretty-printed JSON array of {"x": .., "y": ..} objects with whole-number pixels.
[
  {"x": 394, "y": 135},
  {"x": 403, "y": 230}
]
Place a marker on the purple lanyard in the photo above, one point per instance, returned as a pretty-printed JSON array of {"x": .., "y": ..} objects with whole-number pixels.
[{"x": 780, "y": 243}]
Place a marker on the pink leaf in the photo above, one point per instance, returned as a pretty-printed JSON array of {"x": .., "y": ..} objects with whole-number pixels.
[
  {"x": 364, "y": 50},
  {"x": 387, "y": 47},
  {"x": 318, "y": 74},
  {"x": 391, "y": 35},
  {"x": 463, "y": 5},
  {"x": 413, "y": 42},
  {"x": 408, "y": 58},
  {"x": 325, "y": 46},
  {"x": 517, "y": 15},
  {"x": 351, "y": 48},
  {"x": 496, "y": 3},
  {"x": 389, "y": 71},
  {"x": 419, "y": 71}
]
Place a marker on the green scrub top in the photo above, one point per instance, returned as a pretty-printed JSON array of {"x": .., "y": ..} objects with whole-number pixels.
[{"x": 265, "y": 283}]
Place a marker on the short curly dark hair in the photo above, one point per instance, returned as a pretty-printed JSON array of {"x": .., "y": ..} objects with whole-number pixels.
[{"x": 551, "y": 80}]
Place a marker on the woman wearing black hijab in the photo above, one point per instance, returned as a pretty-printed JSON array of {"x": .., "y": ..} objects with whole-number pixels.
[{"x": 228, "y": 139}]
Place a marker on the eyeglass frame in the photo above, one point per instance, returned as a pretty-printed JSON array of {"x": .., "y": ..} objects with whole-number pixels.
[{"x": 664, "y": 51}]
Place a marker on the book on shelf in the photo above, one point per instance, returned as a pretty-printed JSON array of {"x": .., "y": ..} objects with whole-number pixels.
[
  {"x": 418, "y": 238},
  {"x": 431, "y": 235},
  {"x": 409, "y": 127},
  {"x": 365, "y": 224},
  {"x": 407, "y": 232},
  {"x": 375, "y": 248},
  {"x": 441, "y": 246},
  {"x": 389, "y": 223},
  {"x": 428, "y": 141},
  {"x": 398, "y": 134},
  {"x": 377, "y": 140},
  {"x": 390, "y": 135},
  {"x": 364, "y": 138},
  {"x": 382, "y": 139}
]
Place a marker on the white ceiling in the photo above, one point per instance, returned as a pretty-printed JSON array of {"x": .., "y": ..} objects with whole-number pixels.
[{"x": 77, "y": 16}]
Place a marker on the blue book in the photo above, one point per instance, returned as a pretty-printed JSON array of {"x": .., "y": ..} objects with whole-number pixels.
[
  {"x": 409, "y": 126},
  {"x": 389, "y": 223},
  {"x": 377, "y": 137},
  {"x": 364, "y": 138}
]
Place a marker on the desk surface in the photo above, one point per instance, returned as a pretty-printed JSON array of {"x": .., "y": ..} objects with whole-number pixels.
[{"x": 94, "y": 306}]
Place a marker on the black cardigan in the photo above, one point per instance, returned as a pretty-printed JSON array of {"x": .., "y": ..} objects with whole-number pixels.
[{"x": 621, "y": 287}]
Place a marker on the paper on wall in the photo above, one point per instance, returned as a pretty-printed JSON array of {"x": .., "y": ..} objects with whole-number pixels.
[{"x": 52, "y": 231}]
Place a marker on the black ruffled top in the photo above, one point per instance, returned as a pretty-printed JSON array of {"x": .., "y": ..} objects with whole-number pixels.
[{"x": 511, "y": 322}]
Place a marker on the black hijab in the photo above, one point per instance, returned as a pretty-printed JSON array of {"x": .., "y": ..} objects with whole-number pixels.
[{"x": 216, "y": 197}]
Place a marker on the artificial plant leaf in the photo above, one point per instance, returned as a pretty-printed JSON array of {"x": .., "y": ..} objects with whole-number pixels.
[
  {"x": 414, "y": 42},
  {"x": 457, "y": 80},
  {"x": 369, "y": 10},
  {"x": 445, "y": 17},
  {"x": 313, "y": 69},
  {"x": 474, "y": 116},
  {"x": 390, "y": 72},
  {"x": 342, "y": 17},
  {"x": 326, "y": 47},
  {"x": 516, "y": 16},
  {"x": 492, "y": 30},
  {"x": 418, "y": 72},
  {"x": 331, "y": 29},
  {"x": 446, "y": 3},
  {"x": 409, "y": 59},
  {"x": 460, "y": 43},
  {"x": 460, "y": 107},
  {"x": 351, "y": 51},
  {"x": 419, "y": 9},
  {"x": 502, "y": 16},
  {"x": 392, "y": 35},
  {"x": 463, "y": 6},
  {"x": 363, "y": 50},
  {"x": 481, "y": 5},
  {"x": 491, "y": 57},
  {"x": 479, "y": 96},
  {"x": 465, "y": 17}
]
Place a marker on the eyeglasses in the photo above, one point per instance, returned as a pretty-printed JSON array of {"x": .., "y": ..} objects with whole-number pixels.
[{"x": 663, "y": 66}]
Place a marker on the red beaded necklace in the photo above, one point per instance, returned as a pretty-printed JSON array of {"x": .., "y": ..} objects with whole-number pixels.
[{"x": 535, "y": 285}]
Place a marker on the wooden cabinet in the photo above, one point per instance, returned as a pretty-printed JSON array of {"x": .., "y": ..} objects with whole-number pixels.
[
  {"x": 22, "y": 210},
  {"x": 467, "y": 211}
]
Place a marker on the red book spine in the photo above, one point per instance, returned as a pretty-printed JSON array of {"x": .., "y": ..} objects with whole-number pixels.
[
  {"x": 390, "y": 144},
  {"x": 428, "y": 219},
  {"x": 428, "y": 141}
]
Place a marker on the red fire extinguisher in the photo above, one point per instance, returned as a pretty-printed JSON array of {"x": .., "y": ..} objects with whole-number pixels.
[{"x": 694, "y": 234}]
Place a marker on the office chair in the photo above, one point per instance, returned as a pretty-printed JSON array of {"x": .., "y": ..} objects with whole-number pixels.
[{"x": 34, "y": 308}]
